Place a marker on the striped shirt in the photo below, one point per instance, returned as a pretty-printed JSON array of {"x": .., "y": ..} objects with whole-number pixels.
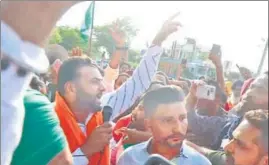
[{"x": 121, "y": 99}]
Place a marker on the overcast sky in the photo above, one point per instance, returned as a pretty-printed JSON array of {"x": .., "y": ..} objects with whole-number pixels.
[{"x": 237, "y": 26}]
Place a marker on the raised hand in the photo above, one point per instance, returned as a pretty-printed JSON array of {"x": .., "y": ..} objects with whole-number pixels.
[
  {"x": 168, "y": 28},
  {"x": 194, "y": 86},
  {"x": 117, "y": 35},
  {"x": 216, "y": 59}
]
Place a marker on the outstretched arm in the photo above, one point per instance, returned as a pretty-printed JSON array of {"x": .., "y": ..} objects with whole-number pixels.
[{"x": 125, "y": 96}]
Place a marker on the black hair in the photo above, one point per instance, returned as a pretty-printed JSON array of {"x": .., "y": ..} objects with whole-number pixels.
[
  {"x": 122, "y": 75},
  {"x": 125, "y": 63},
  {"x": 137, "y": 101},
  {"x": 55, "y": 52},
  {"x": 237, "y": 83},
  {"x": 162, "y": 95},
  {"x": 36, "y": 83},
  {"x": 201, "y": 77},
  {"x": 69, "y": 68},
  {"x": 259, "y": 119},
  {"x": 164, "y": 75}
]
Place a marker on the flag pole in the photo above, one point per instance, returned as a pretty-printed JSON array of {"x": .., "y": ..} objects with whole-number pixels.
[{"x": 90, "y": 37}]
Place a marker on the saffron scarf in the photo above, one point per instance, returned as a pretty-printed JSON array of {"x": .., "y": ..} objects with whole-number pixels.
[{"x": 74, "y": 134}]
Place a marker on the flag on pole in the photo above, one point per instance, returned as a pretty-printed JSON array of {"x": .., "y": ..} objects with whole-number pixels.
[{"x": 87, "y": 24}]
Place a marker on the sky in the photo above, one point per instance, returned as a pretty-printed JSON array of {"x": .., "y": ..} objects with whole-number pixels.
[{"x": 238, "y": 26}]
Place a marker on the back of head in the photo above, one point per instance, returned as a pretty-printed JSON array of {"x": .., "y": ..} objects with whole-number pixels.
[
  {"x": 262, "y": 81},
  {"x": 55, "y": 52},
  {"x": 162, "y": 95},
  {"x": 36, "y": 83},
  {"x": 164, "y": 75},
  {"x": 237, "y": 85}
]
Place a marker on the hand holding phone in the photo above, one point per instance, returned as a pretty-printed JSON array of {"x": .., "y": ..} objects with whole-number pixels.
[
  {"x": 216, "y": 50},
  {"x": 215, "y": 54},
  {"x": 206, "y": 92}
]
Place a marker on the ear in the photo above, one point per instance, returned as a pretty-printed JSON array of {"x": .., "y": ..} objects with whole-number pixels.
[
  {"x": 70, "y": 88},
  {"x": 147, "y": 124}
]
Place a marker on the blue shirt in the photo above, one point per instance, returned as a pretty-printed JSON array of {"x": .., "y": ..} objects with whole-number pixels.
[
  {"x": 209, "y": 127},
  {"x": 138, "y": 155}
]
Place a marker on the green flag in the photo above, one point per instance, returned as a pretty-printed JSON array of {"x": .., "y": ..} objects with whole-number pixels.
[{"x": 87, "y": 24}]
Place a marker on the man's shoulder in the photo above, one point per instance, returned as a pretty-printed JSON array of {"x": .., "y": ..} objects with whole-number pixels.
[
  {"x": 217, "y": 157},
  {"x": 196, "y": 156},
  {"x": 138, "y": 148},
  {"x": 133, "y": 154},
  {"x": 35, "y": 98}
]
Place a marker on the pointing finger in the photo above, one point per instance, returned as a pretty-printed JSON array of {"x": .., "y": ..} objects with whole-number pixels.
[{"x": 173, "y": 16}]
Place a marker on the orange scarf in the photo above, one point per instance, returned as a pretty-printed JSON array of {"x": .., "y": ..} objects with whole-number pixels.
[{"x": 74, "y": 134}]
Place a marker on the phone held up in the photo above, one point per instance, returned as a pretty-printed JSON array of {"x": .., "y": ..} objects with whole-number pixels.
[
  {"x": 216, "y": 50},
  {"x": 206, "y": 92}
]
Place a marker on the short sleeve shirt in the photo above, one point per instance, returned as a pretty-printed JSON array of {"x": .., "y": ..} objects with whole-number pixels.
[{"x": 42, "y": 137}]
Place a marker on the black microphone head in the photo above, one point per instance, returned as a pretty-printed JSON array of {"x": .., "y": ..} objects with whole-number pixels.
[
  {"x": 107, "y": 112},
  {"x": 156, "y": 159}
]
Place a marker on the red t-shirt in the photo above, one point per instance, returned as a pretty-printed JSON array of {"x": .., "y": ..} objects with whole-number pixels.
[{"x": 122, "y": 122}]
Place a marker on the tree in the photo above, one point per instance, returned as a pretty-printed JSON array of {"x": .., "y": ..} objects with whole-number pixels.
[
  {"x": 134, "y": 57},
  {"x": 70, "y": 37},
  {"x": 103, "y": 37},
  {"x": 55, "y": 37}
]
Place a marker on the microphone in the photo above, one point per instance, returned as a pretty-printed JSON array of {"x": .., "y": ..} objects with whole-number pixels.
[
  {"x": 107, "y": 113},
  {"x": 156, "y": 159}
]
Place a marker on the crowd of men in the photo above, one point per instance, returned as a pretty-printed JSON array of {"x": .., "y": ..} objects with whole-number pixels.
[{"x": 56, "y": 116}]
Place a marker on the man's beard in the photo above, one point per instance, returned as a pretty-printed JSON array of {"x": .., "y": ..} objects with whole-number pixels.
[
  {"x": 87, "y": 102},
  {"x": 174, "y": 145},
  {"x": 229, "y": 159}
]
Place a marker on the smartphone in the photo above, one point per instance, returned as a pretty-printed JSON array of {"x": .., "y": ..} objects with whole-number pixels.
[
  {"x": 206, "y": 92},
  {"x": 216, "y": 49}
]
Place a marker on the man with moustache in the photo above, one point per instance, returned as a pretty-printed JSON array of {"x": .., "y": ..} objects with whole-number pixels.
[
  {"x": 243, "y": 148},
  {"x": 78, "y": 104},
  {"x": 221, "y": 128},
  {"x": 166, "y": 118}
]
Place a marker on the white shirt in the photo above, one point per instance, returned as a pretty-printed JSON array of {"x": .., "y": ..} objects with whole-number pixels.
[{"x": 22, "y": 54}]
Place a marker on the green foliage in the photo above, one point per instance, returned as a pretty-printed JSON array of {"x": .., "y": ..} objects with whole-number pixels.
[
  {"x": 103, "y": 37},
  {"x": 134, "y": 56},
  {"x": 70, "y": 37},
  {"x": 55, "y": 37}
]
